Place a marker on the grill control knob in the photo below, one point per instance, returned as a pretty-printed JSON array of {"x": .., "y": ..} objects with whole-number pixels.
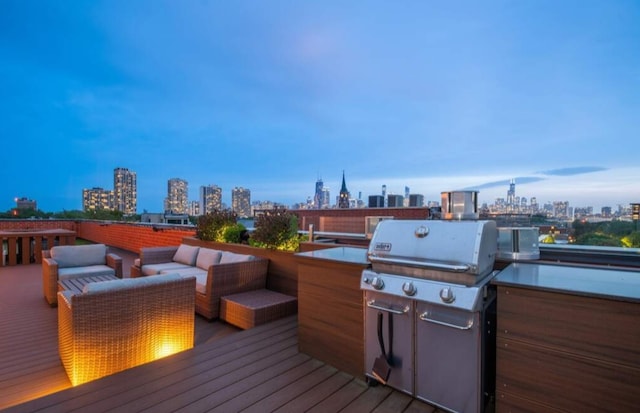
[
  {"x": 447, "y": 296},
  {"x": 377, "y": 283},
  {"x": 409, "y": 289}
]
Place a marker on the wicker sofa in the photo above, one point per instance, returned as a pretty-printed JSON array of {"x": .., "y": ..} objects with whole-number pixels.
[
  {"x": 218, "y": 273},
  {"x": 115, "y": 325},
  {"x": 74, "y": 261}
]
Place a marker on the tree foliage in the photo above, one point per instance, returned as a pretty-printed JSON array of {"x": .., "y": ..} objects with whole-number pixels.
[
  {"x": 215, "y": 226},
  {"x": 276, "y": 229},
  {"x": 605, "y": 234}
]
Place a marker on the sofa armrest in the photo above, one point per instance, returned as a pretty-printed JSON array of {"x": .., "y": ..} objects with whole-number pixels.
[
  {"x": 115, "y": 261},
  {"x": 157, "y": 255},
  {"x": 232, "y": 278},
  {"x": 50, "y": 280}
]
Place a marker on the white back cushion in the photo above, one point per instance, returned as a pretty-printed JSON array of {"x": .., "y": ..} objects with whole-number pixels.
[
  {"x": 207, "y": 257},
  {"x": 229, "y": 257},
  {"x": 186, "y": 254},
  {"x": 79, "y": 255}
]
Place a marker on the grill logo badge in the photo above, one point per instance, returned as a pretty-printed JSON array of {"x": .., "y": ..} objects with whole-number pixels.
[
  {"x": 421, "y": 231},
  {"x": 383, "y": 246}
]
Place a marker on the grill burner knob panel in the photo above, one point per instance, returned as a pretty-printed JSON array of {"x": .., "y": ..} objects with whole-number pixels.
[
  {"x": 447, "y": 296},
  {"x": 377, "y": 283},
  {"x": 409, "y": 289}
]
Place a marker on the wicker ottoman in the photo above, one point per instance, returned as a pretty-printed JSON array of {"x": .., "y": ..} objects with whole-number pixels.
[{"x": 252, "y": 308}]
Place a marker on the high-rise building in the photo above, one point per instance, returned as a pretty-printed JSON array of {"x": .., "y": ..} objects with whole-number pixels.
[
  {"x": 194, "y": 208},
  {"x": 326, "y": 197},
  {"x": 125, "y": 191},
  {"x": 343, "y": 199},
  {"x": 384, "y": 194},
  {"x": 176, "y": 201},
  {"x": 318, "y": 197},
  {"x": 96, "y": 199},
  {"x": 395, "y": 201},
  {"x": 511, "y": 196},
  {"x": 376, "y": 201},
  {"x": 241, "y": 202},
  {"x": 416, "y": 200},
  {"x": 210, "y": 199}
]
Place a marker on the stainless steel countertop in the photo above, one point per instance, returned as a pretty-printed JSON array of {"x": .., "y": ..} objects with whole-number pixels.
[
  {"x": 594, "y": 282},
  {"x": 349, "y": 255}
]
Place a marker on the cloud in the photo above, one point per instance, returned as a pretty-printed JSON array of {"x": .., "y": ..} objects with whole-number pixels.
[{"x": 578, "y": 170}]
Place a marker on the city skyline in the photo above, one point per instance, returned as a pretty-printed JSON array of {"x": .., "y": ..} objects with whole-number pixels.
[
  {"x": 268, "y": 96},
  {"x": 178, "y": 199}
]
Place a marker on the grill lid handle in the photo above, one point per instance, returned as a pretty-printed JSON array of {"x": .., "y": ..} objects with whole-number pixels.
[{"x": 422, "y": 264}]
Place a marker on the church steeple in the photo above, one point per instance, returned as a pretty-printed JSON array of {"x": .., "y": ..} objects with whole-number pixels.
[{"x": 343, "y": 201}]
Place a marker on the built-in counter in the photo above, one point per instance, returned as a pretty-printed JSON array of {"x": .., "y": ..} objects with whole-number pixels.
[
  {"x": 25, "y": 246},
  {"x": 330, "y": 308},
  {"x": 568, "y": 339}
]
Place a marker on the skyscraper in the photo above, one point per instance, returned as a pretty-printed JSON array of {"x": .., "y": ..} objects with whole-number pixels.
[
  {"x": 384, "y": 195},
  {"x": 210, "y": 199},
  {"x": 241, "y": 202},
  {"x": 318, "y": 198},
  {"x": 176, "y": 201},
  {"x": 511, "y": 196},
  {"x": 125, "y": 191},
  {"x": 343, "y": 200}
]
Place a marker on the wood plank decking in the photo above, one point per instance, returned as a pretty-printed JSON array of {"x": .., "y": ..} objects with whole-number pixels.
[{"x": 229, "y": 370}]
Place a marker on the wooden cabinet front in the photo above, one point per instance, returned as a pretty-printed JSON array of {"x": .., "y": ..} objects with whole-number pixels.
[
  {"x": 330, "y": 313},
  {"x": 564, "y": 352}
]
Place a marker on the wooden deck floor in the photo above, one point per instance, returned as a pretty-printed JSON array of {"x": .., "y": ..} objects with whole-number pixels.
[{"x": 228, "y": 370}]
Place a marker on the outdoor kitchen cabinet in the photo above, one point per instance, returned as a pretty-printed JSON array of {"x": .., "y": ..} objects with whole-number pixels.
[
  {"x": 330, "y": 309},
  {"x": 568, "y": 339}
]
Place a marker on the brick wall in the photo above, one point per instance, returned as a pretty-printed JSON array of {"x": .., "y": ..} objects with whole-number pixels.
[
  {"x": 36, "y": 224},
  {"x": 128, "y": 236},
  {"x": 132, "y": 237}
]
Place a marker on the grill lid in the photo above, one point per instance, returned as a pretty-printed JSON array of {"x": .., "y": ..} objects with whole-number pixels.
[{"x": 455, "y": 251}]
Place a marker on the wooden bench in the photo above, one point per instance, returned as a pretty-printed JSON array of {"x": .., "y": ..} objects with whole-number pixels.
[{"x": 252, "y": 308}]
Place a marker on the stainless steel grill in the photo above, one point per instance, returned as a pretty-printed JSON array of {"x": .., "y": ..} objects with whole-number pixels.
[{"x": 430, "y": 312}]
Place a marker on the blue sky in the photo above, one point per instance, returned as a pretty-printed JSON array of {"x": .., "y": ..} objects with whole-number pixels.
[{"x": 271, "y": 95}]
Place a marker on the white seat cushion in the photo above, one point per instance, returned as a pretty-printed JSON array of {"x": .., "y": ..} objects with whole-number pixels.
[
  {"x": 153, "y": 269},
  {"x": 201, "y": 276}
]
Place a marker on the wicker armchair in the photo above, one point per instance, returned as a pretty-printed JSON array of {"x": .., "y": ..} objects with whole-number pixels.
[
  {"x": 227, "y": 279},
  {"x": 73, "y": 261},
  {"x": 115, "y": 325}
]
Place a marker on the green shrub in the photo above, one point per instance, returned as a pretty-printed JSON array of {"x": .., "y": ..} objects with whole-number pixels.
[
  {"x": 212, "y": 227},
  {"x": 233, "y": 233},
  {"x": 276, "y": 229}
]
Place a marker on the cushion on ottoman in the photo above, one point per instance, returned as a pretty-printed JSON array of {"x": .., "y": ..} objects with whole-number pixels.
[{"x": 252, "y": 308}]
